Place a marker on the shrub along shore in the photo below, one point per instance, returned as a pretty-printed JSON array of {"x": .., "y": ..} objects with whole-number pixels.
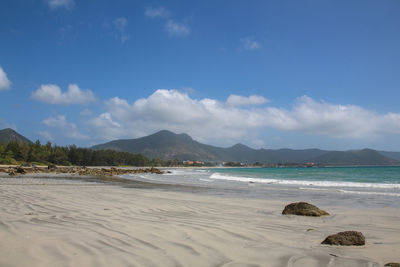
[{"x": 16, "y": 153}]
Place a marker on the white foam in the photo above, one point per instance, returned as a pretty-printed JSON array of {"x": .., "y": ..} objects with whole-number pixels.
[
  {"x": 180, "y": 172},
  {"x": 202, "y": 171},
  {"x": 206, "y": 180},
  {"x": 351, "y": 191},
  {"x": 141, "y": 176},
  {"x": 219, "y": 176},
  {"x": 370, "y": 193}
]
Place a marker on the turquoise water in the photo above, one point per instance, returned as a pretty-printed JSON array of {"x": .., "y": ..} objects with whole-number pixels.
[
  {"x": 329, "y": 175},
  {"x": 366, "y": 181}
]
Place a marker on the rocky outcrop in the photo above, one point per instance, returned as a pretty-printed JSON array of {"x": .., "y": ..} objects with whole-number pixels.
[
  {"x": 303, "y": 209},
  {"x": 20, "y": 170},
  {"x": 78, "y": 170},
  {"x": 347, "y": 238},
  {"x": 11, "y": 171},
  {"x": 51, "y": 167},
  {"x": 392, "y": 264}
]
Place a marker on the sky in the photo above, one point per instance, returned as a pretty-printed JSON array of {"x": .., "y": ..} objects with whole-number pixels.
[{"x": 268, "y": 74}]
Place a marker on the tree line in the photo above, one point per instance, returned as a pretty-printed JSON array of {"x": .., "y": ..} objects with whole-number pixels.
[{"x": 17, "y": 152}]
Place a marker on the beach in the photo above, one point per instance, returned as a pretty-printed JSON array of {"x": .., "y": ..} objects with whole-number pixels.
[{"x": 77, "y": 222}]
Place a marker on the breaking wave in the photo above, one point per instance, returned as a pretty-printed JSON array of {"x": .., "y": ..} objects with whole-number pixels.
[{"x": 219, "y": 176}]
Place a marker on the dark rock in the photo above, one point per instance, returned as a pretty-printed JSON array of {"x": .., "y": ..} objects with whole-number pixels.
[
  {"x": 304, "y": 209},
  {"x": 51, "y": 167},
  {"x": 347, "y": 238},
  {"x": 20, "y": 170},
  {"x": 392, "y": 264},
  {"x": 155, "y": 170}
]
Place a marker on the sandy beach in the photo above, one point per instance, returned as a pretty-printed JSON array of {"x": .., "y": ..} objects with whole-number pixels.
[{"x": 57, "y": 222}]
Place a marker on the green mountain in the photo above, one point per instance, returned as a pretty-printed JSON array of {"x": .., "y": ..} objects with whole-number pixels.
[
  {"x": 164, "y": 145},
  {"x": 9, "y": 135},
  {"x": 167, "y": 145}
]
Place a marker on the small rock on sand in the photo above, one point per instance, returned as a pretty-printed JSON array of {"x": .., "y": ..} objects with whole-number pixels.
[
  {"x": 347, "y": 238},
  {"x": 303, "y": 209}
]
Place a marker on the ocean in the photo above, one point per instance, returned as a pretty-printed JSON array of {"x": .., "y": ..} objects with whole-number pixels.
[
  {"x": 340, "y": 177},
  {"x": 356, "y": 184}
]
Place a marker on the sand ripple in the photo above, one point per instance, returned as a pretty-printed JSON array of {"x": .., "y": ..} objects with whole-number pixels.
[{"x": 70, "y": 223}]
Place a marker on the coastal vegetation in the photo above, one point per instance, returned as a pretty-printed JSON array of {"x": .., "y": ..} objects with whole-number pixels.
[
  {"x": 19, "y": 152},
  {"x": 166, "y": 148}
]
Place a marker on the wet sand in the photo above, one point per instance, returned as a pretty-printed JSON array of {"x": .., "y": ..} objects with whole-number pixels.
[{"x": 58, "y": 222}]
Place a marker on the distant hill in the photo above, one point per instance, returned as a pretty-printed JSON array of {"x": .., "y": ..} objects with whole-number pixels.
[
  {"x": 243, "y": 153},
  {"x": 167, "y": 145},
  {"x": 393, "y": 155},
  {"x": 163, "y": 145},
  {"x": 354, "y": 157},
  {"x": 9, "y": 135}
]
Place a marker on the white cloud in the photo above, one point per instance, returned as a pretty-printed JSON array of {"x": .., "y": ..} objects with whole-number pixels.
[
  {"x": 249, "y": 44},
  {"x": 55, "y": 4},
  {"x": 238, "y": 100},
  {"x": 177, "y": 29},
  {"x": 109, "y": 129},
  {"x": 337, "y": 121},
  {"x": 120, "y": 26},
  {"x": 210, "y": 120},
  {"x": 156, "y": 12},
  {"x": 172, "y": 27},
  {"x": 4, "y": 81},
  {"x": 66, "y": 128},
  {"x": 52, "y": 94}
]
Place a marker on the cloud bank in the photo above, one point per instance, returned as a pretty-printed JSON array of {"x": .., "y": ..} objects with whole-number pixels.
[
  {"x": 236, "y": 118},
  {"x": 52, "y": 94},
  {"x": 4, "y": 81},
  {"x": 238, "y": 100},
  {"x": 67, "y": 129}
]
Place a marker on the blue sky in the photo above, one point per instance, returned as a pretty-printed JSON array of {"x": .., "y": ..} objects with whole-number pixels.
[{"x": 272, "y": 74}]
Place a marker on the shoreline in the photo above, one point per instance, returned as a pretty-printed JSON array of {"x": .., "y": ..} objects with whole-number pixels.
[
  {"x": 2, "y": 166},
  {"x": 114, "y": 180}
]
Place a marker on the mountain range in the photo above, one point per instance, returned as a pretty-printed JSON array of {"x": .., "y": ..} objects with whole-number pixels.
[{"x": 167, "y": 145}]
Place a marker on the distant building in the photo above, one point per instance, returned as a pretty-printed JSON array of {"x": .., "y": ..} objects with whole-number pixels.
[{"x": 192, "y": 163}]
